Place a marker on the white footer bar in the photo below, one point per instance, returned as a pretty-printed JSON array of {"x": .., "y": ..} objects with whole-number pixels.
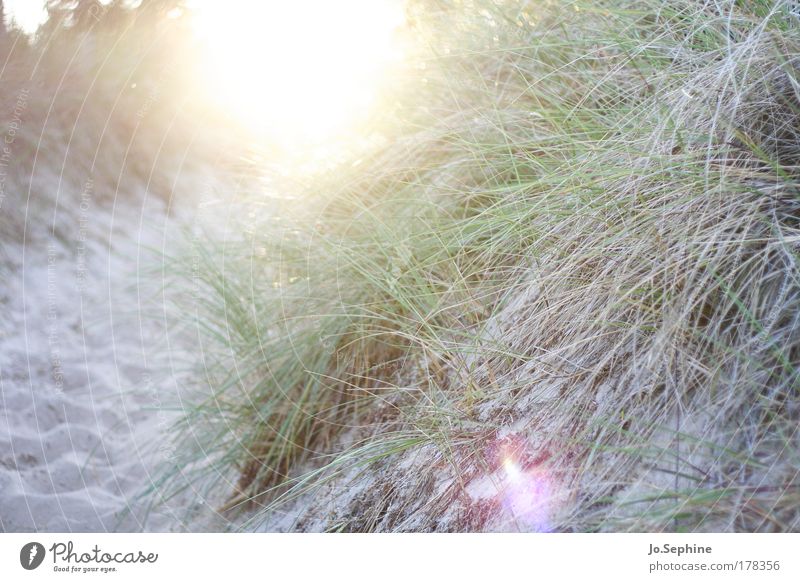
[{"x": 407, "y": 557}]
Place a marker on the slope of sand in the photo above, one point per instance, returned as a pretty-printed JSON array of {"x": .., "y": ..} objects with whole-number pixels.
[{"x": 86, "y": 371}]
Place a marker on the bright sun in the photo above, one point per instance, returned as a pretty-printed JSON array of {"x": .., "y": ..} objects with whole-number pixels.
[{"x": 297, "y": 72}]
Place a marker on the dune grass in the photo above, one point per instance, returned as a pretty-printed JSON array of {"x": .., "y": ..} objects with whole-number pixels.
[{"x": 576, "y": 252}]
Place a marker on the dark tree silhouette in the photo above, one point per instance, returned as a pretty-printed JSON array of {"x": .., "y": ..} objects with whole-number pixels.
[{"x": 82, "y": 15}]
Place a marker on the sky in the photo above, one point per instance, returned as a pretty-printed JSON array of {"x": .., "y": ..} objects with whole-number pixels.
[{"x": 28, "y": 14}]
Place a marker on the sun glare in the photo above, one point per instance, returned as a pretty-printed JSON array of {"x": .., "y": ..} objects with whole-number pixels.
[
  {"x": 28, "y": 15},
  {"x": 297, "y": 72}
]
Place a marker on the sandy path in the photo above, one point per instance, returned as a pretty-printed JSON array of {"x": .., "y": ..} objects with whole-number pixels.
[{"x": 83, "y": 354}]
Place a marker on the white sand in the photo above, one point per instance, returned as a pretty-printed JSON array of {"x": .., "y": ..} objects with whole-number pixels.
[{"x": 85, "y": 372}]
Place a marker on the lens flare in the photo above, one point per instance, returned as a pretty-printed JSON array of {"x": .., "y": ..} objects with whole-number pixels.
[
  {"x": 513, "y": 472},
  {"x": 527, "y": 496},
  {"x": 523, "y": 487}
]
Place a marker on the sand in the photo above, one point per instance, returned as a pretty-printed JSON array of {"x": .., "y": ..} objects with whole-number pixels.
[{"x": 87, "y": 367}]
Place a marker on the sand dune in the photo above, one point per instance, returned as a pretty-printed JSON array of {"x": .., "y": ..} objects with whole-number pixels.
[{"x": 82, "y": 382}]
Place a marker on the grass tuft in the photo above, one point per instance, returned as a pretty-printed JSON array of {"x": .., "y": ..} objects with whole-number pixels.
[{"x": 574, "y": 257}]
